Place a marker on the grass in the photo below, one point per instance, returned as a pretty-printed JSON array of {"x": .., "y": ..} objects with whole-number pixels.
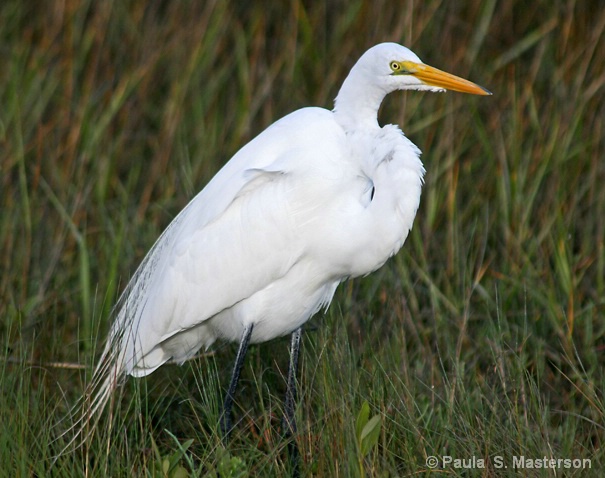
[{"x": 484, "y": 337}]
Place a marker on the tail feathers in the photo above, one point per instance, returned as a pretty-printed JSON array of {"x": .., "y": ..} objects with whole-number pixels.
[
  {"x": 123, "y": 351},
  {"x": 85, "y": 414}
]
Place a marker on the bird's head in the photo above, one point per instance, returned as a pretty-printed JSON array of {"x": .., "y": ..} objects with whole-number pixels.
[
  {"x": 389, "y": 67},
  {"x": 399, "y": 68}
]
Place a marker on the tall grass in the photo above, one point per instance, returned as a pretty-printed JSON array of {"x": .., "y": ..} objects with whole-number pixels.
[{"x": 484, "y": 337}]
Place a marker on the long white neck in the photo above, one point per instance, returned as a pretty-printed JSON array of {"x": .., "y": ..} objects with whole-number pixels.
[{"x": 356, "y": 105}]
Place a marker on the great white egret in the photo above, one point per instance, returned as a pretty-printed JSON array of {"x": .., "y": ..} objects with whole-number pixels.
[{"x": 318, "y": 197}]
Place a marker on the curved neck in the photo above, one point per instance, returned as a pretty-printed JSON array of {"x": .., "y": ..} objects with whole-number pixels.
[{"x": 357, "y": 102}]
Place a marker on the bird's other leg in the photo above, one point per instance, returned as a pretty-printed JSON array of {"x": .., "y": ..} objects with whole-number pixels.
[
  {"x": 289, "y": 422},
  {"x": 225, "y": 419}
]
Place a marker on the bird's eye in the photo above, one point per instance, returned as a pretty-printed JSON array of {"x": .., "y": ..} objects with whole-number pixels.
[{"x": 395, "y": 66}]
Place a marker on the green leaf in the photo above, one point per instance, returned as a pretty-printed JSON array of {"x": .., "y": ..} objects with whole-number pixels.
[
  {"x": 156, "y": 450},
  {"x": 362, "y": 420},
  {"x": 165, "y": 466},
  {"x": 231, "y": 467},
  {"x": 370, "y": 434},
  {"x": 180, "y": 472},
  {"x": 180, "y": 453}
]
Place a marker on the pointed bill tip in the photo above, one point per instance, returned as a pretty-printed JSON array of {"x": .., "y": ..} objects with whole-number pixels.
[{"x": 435, "y": 77}]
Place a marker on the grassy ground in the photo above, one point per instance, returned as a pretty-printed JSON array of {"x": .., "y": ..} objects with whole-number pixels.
[{"x": 484, "y": 337}]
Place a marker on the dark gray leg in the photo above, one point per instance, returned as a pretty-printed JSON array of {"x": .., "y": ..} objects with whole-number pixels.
[
  {"x": 225, "y": 419},
  {"x": 289, "y": 423}
]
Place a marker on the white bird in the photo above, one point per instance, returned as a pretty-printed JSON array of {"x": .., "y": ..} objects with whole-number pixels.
[{"x": 317, "y": 198}]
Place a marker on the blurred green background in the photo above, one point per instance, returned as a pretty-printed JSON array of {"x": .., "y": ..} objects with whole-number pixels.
[{"x": 484, "y": 337}]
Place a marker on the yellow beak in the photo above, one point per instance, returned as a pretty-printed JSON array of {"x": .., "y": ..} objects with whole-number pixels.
[{"x": 434, "y": 77}]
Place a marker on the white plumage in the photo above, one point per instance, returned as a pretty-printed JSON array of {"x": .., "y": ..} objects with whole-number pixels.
[{"x": 318, "y": 197}]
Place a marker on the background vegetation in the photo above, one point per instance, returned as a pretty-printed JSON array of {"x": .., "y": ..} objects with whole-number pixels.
[{"x": 484, "y": 337}]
